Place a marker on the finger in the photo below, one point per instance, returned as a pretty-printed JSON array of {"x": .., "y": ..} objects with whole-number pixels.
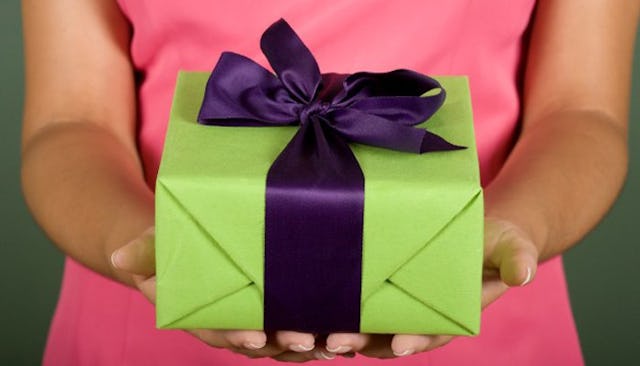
[
  {"x": 249, "y": 339},
  {"x": 339, "y": 343},
  {"x": 138, "y": 256},
  {"x": 517, "y": 263},
  {"x": 270, "y": 350},
  {"x": 517, "y": 268},
  {"x": 379, "y": 346},
  {"x": 295, "y": 341},
  {"x": 298, "y": 357},
  {"x": 321, "y": 354},
  {"x": 513, "y": 254},
  {"x": 492, "y": 290},
  {"x": 408, "y": 344},
  {"x": 212, "y": 338},
  {"x": 147, "y": 287},
  {"x": 242, "y": 342}
]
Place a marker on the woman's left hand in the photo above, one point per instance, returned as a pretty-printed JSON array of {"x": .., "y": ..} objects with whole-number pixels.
[{"x": 510, "y": 259}]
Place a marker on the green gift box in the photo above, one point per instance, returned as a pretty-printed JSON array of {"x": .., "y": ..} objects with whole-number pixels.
[{"x": 422, "y": 234}]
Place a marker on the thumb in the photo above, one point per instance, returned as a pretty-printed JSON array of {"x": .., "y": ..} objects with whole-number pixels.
[
  {"x": 517, "y": 266},
  {"x": 138, "y": 256},
  {"x": 514, "y": 255}
]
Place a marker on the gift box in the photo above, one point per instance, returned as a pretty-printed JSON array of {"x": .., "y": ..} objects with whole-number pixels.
[{"x": 420, "y": 258}]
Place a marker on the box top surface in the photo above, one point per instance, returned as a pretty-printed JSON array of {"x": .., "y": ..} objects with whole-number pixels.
[{"x": 217, "y": 152}]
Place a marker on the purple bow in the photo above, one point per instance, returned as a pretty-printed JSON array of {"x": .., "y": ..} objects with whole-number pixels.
[{"x": 315, "y": 188}]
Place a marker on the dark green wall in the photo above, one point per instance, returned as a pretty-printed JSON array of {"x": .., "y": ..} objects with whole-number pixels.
[
  {"x": 603, "y": 271},
  {"x": 30, "y": 267}
]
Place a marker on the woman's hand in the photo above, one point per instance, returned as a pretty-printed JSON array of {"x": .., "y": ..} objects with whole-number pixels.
[
  {"x": 138, "y": 259},
  {"x": 510, "y": 259}
]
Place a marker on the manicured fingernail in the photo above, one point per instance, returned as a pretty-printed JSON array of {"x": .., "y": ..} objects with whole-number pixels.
[
  {"x": 301, "y": 347},
  {"x": 250, "y": 345},
  {"x": 406, "y": 352},
  {"x": 528, "y": 279},
  {"x": 320, "y": 355},
  {"x": 115, "y": 259},
  {"x": 339, "y": 349}
]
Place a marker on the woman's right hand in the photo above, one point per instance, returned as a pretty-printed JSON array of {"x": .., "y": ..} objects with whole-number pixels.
[{"x": 137, "y": 258}]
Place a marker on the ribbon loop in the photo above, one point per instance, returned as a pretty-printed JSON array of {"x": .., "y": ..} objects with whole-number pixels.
[
  {"x": 242, "y": 93},
  {"x": 299, "y": 74}
]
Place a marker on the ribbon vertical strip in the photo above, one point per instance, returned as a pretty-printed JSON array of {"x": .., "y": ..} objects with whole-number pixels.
[{"x": 313, "y": 239}]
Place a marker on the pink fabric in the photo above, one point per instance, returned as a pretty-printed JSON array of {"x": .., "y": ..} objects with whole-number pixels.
[{"x": 99, "y": 322}]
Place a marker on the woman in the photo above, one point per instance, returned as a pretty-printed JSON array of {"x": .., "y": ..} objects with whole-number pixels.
[{"x": 100, "y": 76}]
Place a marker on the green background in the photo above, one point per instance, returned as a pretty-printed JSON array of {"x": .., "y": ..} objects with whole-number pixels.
[{"x": 603, "y": 270}]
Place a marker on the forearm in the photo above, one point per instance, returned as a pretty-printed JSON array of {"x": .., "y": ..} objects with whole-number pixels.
[
  {"x": 86, "y": 190},
  {"x": 561, "y": 178}
]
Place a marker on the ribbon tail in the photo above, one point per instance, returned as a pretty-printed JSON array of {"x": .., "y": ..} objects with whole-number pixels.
[
  {"x": 369, "y": 129},
  {"x": 432, "y": 142}
]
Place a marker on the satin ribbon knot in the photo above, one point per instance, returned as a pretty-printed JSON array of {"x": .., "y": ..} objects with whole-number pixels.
[{"x": 313, "y": 111}]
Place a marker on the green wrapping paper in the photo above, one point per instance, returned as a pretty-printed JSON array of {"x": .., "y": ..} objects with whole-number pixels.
[{"x": 423, "y": 223}]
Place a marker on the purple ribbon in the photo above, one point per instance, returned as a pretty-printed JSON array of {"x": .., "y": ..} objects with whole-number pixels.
[{"x": 315, "y": 188}]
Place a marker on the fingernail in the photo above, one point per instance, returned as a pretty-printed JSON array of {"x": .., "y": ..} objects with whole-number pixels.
[
  {"x": 406, "y": 352},
  {"x": 320, "y": 355},
  {"x": 301, "y": 347},
  {"x": 528, "y": 279},
  {"x": 339, "y": 349},
  {"x": 115, "y": 259},
  {"x": 254, "y": 346}
]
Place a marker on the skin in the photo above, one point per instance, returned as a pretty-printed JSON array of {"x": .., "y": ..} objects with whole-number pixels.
[{"x": 83, "y": 181}]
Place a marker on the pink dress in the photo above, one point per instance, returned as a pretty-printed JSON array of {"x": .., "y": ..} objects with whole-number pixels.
[{"x": 99, "y": 322}]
